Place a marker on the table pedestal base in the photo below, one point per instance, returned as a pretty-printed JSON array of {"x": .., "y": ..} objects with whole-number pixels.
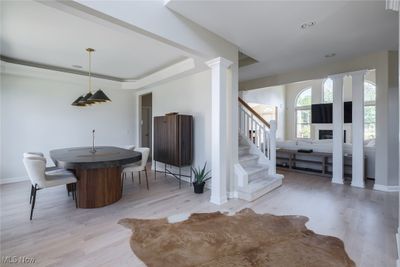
[{"x": 98, "y": 187}]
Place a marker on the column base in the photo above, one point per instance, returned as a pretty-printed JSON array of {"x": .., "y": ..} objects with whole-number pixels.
[
  {"x": 218, "y": 200},
  {"x": 359, "y": 185},
  {"x": 337, "y": 180}
]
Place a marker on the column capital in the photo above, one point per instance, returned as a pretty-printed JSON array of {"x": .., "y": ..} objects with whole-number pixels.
[
  {"x": 358, "y": 72},
  {"x": 337, "y": 76},
  {"x": 219, "y": 61}
]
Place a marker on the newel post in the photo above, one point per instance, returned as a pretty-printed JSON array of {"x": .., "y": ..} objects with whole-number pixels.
[{"x": 272, "y": 147}]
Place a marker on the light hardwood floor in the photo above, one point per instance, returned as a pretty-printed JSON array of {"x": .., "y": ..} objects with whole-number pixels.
[{"x": 61, "y": 235}]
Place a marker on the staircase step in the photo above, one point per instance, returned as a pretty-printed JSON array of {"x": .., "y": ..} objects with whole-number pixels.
[
  {"x": 243, "y": 150},
  {"x": 260, "y": 187},
  {"x": 256, "y": 171},
  {"x": 248, "y": 159}
]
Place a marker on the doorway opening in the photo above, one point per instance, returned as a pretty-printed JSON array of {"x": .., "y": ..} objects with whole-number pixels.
[{"x": 146, "y": 122}]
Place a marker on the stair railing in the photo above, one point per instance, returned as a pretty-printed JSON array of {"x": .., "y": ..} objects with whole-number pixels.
[{"x": 259, "y": 132}]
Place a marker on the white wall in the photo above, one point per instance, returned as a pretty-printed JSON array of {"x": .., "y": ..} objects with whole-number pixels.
[
  {"x": 36, "y": 115},
  {"x": 190, "y": 95},
  {"x": 274, "y": 96}
]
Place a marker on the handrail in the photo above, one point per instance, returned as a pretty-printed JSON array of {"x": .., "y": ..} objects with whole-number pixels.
[{"x": 241, "y": 101}]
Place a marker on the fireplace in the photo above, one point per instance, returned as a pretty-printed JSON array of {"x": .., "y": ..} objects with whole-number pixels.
[{"x": 328, "y": 134}]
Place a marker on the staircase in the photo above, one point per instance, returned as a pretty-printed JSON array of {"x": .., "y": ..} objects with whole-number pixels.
[{"x": 256, "y": 171}]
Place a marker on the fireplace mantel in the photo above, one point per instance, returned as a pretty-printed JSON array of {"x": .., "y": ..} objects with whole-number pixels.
[{"x": 329, "y": 126}]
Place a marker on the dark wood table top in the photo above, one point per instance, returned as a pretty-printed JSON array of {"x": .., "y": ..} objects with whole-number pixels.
[{"x": 82, "y": 158}]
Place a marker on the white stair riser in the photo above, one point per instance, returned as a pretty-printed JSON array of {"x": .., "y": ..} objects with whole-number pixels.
[
  {"x": 257, "y": 175},
  {"x": 248, "y": 162},
  {"x": 243, "y": 151},
  {"x": 251, "y": 196}
]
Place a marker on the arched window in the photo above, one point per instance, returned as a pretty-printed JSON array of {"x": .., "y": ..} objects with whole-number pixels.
[
  {"x": 369, "y": 110},
  {"x": 303, "y": 114},
  {"x": 369, "y": 105},
  {"x": 327, "y": 91}
]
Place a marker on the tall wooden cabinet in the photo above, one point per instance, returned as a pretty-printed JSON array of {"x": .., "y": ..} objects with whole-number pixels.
[{"x": 173, "y": 140}]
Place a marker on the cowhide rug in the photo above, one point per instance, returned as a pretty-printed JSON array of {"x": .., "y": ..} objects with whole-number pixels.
[{"x": 244, "y": 239}]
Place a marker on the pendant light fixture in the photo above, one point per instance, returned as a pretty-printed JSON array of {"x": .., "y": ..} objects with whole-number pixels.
[{"x": 90, "y": 98}]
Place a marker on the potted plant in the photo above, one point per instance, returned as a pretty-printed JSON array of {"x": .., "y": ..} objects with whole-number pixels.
[{"x": 200, "y": 178}]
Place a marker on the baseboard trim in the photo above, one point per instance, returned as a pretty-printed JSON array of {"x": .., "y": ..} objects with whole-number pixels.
[
  {"x": 387, "y": 188},
  {"x": 13, "y": 180}
]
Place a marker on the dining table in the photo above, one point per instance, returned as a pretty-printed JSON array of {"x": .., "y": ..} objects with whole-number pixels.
[{"x": 98, "y": 171}]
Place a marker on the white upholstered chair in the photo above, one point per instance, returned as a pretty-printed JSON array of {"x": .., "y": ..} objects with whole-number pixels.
[
  {"x": 35, "y": 166},
  {"x": 130, "y": 147},
  {"x": 138, "y": 166},
  {"x": 30, "y": 154},
  {"x": 40, "y": 154}
]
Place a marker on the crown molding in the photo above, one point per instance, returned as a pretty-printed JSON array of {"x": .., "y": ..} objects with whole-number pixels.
[
  {"x": 161, "y": 75},
  {"x": 55, "y": 68}
]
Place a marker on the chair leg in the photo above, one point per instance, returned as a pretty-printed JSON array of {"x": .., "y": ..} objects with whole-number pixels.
[
  {"x": 140, "y": 181},
  {"x": 132, "y": 177},
  {"x": 147, "y": 180},
  {"x": 76, "y": 199},
  {"x": 30, "y": 200},
  {"x": 33, "y": 201},
  {"x": 68, "y": 189}
]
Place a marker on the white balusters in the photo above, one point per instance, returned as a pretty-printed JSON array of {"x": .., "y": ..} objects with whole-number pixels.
[{"x": 260, "y": 134}]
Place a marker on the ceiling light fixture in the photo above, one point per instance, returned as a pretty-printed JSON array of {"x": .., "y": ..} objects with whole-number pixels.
[
  {"x": 308, "y": 25},
  {"x": 89, "y": 98},
  {"x": 330, "y": 55}
]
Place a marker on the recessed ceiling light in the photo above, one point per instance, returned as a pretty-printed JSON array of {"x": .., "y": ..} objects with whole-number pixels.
[
  {"x": 330, "y": 55},
  {"x": 308, "y": 25},
  {"x": 77, "y": 66}
]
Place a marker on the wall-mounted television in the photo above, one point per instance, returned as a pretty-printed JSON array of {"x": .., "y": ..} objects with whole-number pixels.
[{"x": 322, "y": 113}]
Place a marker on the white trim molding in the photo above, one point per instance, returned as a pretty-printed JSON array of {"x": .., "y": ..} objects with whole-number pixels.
[
  {"x": 387, "y": 188},
  {"x": 161, "y": 75},
  {"x": 14, "y": 180},
  {"x": 393, "y": 5},
  {"x": 398, "y": 247}
]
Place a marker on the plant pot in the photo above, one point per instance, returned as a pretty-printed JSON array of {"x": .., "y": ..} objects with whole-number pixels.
[{"x": 198, "y": 188}]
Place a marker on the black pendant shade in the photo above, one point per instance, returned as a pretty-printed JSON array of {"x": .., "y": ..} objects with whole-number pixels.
[
  {"x": 99, "y": 96},
  {"x": 77, "y": 102},
  {"x": 89, "y": 98},
  {"x": 86, "y": 99}
]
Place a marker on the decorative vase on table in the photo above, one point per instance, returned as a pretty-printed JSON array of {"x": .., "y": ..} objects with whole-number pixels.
[{"x": 200, "y": 178}]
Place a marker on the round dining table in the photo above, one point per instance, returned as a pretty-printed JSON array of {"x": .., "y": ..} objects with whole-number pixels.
[{"x": 98, "y": 172}]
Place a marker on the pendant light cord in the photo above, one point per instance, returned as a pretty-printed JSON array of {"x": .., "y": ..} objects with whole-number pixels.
[{"x": 90, "y": 71}]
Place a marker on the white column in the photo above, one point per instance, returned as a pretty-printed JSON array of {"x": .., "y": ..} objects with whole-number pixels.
[
  {"x": 358, "y": 128},
  {"x": 219, "y": 143},
  {"x": 337, "y": 119}
]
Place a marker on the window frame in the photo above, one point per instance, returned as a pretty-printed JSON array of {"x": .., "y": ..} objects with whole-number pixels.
[{"x": 298, "y": 108}]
